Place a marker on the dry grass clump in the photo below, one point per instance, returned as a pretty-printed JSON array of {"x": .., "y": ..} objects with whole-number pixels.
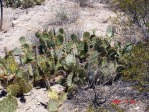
[
  {"x": 66, "y": 15},
  {"x": 83, "y": 3},
  {"x": 125, "y": 29}
]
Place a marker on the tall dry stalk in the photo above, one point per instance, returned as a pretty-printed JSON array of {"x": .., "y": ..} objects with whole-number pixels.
[{"x": 1, "y": 22}]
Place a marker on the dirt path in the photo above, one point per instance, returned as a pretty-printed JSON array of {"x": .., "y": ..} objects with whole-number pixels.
[{"x": 18, "y": 22}]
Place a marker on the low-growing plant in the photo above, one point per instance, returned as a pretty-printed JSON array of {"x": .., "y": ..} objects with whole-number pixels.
[
  {"x": 91, "y": 108},
  {"x": 82, "y": 3},
  {"x": 125, "y": 29},
  {"x": 56, "y": 100},
  {"x": 65, "y": 15},
  {"x": 117, "y": 108},
  {"x": 137, "y": 69}
]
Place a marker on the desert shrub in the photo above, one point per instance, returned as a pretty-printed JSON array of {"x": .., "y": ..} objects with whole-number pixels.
[
  {"x": 22, "y": 3},
  {"x": 82, "y": 3},
  {"x": 117, "y": 108},
  {"x": 137, "y": 69},
  {"x": 91, "y": 108},
  {"x": 138, "y": 10},
  {"x": 65, "y": 15},
  {"x": 124, "y": 28}
]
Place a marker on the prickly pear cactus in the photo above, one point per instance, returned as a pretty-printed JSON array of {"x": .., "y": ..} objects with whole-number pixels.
[
  {"x": 19, "y": 87},
  {"x": 11, "y": 64},
  {"x": 70, "y": 60},
  {"x": 69, "y": 80},
  {"x": 110, "y": 31},
  {"x": 13, "y": 89},
  {"x": 24, "y": 85},
  {"x": 3, "y": 71},
  {"x": 9, "y": 104},
  {"x": 53, "y": 105},
  {"x": 42, "y": 62},
  {"x": 56, "y": 99}
]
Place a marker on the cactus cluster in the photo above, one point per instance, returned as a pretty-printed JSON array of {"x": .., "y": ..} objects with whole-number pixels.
[
  {"x": 77, "y": 58},
  {"x": 77, "y": 61},
  {"x": 56, "y": 99},
  {"x": 12, "y": 76}
]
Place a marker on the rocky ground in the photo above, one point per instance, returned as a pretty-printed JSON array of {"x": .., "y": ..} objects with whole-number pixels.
[
  {"x": 130, "y": 100},
  {"x": 94, "y": 17},
  {"x": 119, "y": 93}
]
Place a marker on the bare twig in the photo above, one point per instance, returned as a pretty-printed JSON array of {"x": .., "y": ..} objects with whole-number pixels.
[{"x": 1, "y": 22}]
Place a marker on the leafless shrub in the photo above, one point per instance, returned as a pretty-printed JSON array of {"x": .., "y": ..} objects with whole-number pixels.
[
  {"x": 66, "y": 15},
  {"x": 102, "y": 1},
  {"x": 125, "y": 29},
  {"x": 82, "y": 3}
]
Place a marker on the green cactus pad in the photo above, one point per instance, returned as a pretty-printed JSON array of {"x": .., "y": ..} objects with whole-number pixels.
[
  {"x": 24, "y": 85},
  {"x": 13, "y": 89},
  {"x": 70, "y": 59},
  {"x": 9, "y": 104},
  {"x": 53, "y": 105}
]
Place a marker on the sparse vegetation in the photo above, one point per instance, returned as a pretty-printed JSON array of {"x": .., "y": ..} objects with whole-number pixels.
[
  {"x": 138, "y": 66},
  {"x": 138, "y": 10},
  {"x": 82, "y": 3},
  {"x": 65, "y": 15},
  {"x": 22, "y": 3},
  {"x": 117, "y": 109},
  {"x": 99, "y": 109},
  {"x": 123, "y": 27}
]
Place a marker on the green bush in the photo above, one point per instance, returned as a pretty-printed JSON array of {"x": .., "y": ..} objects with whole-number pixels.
[{"x": 137, "y": 69}]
